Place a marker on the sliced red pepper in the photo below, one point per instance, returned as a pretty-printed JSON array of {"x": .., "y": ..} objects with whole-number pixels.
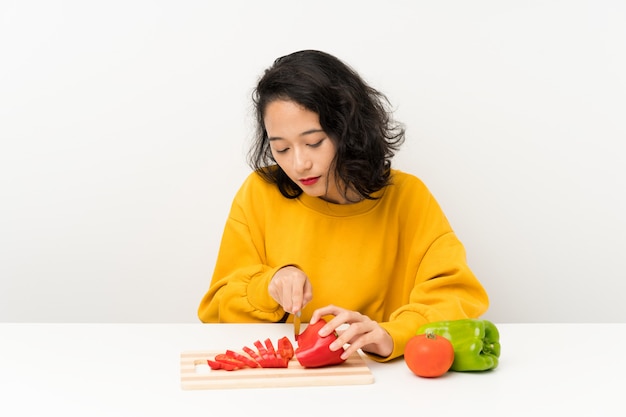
[
  {"x": 227, "y": 360},
  {"x": 266, "y": 356},
  {"x": 277, "y": 360},
  {"x": 261, "y": 356},
  {"x": 285, "y": 348},
  {"x": 254, "y": 355},
  {"x": 244, "y": 359},
  {"x": 269, "y": 359},
  {"x": 215, "y": 365},
  {"x": 270, "y": 347},
  {"x": 261, "y": 349}
]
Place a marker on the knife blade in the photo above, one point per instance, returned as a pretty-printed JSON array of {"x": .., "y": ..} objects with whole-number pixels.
[{"x": 296, "y": 325}]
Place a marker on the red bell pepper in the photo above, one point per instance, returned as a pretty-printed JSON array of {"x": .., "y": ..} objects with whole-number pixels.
[{"x": 313, "y": 350}]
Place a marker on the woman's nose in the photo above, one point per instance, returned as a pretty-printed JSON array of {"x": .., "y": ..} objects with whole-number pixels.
[{"x": 302, "y": 161}]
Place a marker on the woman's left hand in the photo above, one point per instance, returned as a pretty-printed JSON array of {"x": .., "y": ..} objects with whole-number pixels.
[{"x": 361, "y": 333}]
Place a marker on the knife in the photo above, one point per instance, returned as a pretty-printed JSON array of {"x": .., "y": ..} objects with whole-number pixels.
[{"x": 296, "y": 325}]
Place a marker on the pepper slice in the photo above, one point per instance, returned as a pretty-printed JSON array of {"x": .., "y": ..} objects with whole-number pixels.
[
  {"x": 254, "y": 355},
  {"x": 285, "y": 348},
  {"x": 476, "y": 342},
  {"x": 230, "y": 361},
  {"x": 215, "y": 365},
  {"x": 251, "y": 363}
]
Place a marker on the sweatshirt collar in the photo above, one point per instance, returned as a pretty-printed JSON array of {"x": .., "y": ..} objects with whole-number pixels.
[{"x": 339, "y": 210}]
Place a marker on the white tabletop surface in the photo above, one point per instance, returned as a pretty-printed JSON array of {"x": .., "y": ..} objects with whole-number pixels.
[{"x": 134, "y": 370}]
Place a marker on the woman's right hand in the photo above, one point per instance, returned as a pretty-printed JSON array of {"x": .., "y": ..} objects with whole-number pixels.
[{"x": 291, "y": 288}]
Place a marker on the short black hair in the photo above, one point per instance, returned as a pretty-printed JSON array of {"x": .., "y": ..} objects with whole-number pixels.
[{"x": 353, "y": 114}]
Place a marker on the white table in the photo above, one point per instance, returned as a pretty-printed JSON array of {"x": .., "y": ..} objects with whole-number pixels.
[{"x": 133, "y": 370}]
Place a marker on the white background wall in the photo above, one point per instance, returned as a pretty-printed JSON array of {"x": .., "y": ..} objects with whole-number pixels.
[{"x": 124, "y": 126}]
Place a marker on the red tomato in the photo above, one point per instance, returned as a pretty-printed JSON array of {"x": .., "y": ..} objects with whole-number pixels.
[{"x": 429, "y": 355}]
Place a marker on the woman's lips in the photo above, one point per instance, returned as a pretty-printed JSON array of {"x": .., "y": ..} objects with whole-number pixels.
[{"x": 309, "y": 181}]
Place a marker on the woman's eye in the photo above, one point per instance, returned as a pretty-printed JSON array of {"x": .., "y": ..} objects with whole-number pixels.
[
  {"x": 281, "y": 150},
  {"x": 316, "y": 144}
]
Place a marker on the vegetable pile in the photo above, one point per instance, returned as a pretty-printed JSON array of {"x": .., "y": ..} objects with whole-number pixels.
[
  {"x": 313, "y": 351},
  {"x": 476, "y": 342},
  {"x": 465, "y": 345}
]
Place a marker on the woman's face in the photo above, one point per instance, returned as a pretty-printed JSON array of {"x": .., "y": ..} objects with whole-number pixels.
[{"x": 302, "y": 149}]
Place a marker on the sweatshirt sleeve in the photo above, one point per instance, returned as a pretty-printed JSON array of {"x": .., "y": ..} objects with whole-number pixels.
[
  {"x": 445, "y": 289},
  {"x": 439, "y": 284},
  {"x": 238, "y": 291}
]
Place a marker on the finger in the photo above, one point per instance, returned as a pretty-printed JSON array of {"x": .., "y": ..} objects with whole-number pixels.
[
  {"x": 342, "y": 318},
  {"x": 320, "y": 312},
  {"x": 353, "y": 319},
  {"x": 314, "y": 317},
  {"x": 300, "y": 294},
  {"x": 307, "y": 294},
  {"x": 296, "y": 298},
  {"x": 340, "y": 342},
  {"x": 287, "y": 297},
  {"x": 349, "y": 351},
  {"x": 329, "y": 310},
  {"x": 343, "y": 342}
]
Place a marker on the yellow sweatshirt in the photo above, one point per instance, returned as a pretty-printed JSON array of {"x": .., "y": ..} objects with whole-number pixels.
[{"x": 395, "y": 259}]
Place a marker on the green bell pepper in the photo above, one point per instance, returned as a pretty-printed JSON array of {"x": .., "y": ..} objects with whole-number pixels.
[{"x": 476, "y": 342}]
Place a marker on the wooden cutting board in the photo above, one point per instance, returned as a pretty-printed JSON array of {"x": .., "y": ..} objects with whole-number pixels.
[{"x": 195, "y": 374}]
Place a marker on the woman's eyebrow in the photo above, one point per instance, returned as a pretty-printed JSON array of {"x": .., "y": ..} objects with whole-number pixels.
[
  {"x": 311, "y": 131},
  {"x": 306, "y": 132}
]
